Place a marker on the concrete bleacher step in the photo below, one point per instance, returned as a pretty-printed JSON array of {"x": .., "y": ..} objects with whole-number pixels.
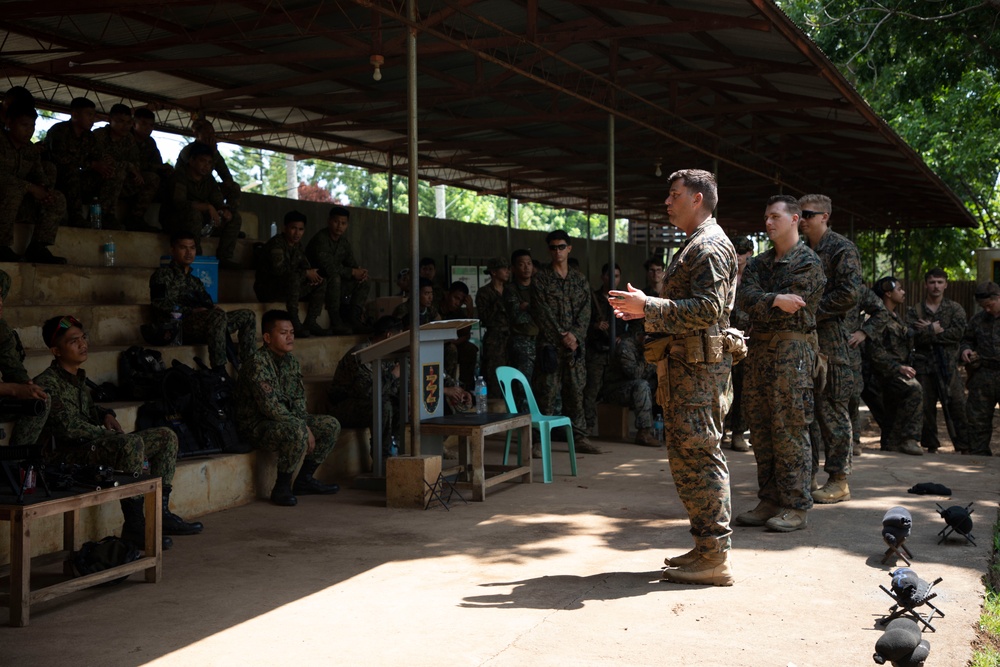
[
  {"x": 46, "y": 284},
  {"x": 111, "y": 325}
]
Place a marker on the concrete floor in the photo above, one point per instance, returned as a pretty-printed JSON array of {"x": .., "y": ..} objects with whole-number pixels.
[{"x": 557, "y": 574}]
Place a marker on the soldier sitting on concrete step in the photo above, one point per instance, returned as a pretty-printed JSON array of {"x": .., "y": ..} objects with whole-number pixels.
[
  {"x": 271, "y": 412},
  {"x": 174, "y": 288},
  {"x": 331, "y": 253},
  {"x": 88, "y": 434},
  {"x": 14, "y": 381}
]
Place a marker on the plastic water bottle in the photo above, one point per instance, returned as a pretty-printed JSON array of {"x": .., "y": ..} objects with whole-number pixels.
[
  {"x": 393, "y": 447},
  {"x": 481, "y": 407},
  {"x": 658, "y": 429},
  {"x": 274, "y": 229},
  {"x": 179, "y": 318},
  {"x": 109, "y": 250},
  {"x": 206, "y": 229},
  {"x": 95, "y": 213}
]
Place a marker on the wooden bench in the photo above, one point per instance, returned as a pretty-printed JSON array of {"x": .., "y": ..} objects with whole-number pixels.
[{"x": 20, "y": 597}]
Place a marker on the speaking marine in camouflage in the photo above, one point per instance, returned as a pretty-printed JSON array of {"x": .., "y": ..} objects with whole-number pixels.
[
  {"x": 980, "y": 351},
  {"x": 284, "y": 274},
  {"x": 780, "y": 292},
  {"x": 271, "y": 412},
  {"x": 14, "y": 381},
  {"x": 939, "y": 324},
  {"x": 842, "y": 267},
  {"x": 890, "y": 353},
  {"x": 560, "y": 303},
  {"x": 331, "y": 253},
  {"x": 86, "y": 433},
  {"x": 174, "y": 288},
  {"x": 26, "y": 192},
  {"x": 694, "y": 360}
]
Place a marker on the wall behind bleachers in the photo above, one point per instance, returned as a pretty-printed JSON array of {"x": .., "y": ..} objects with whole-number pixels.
[{"x": 444, "y": 240}]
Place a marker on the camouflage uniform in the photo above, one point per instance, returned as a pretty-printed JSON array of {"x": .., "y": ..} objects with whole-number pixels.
[
  {"x": 842, "y": 266},
  {"x": 77, "y": 424},
  {"x": 869, "y": 304},
  {"x": 350, "y": 395},
  {"x": 402, "y": 313},
  {"x": 698, "y": 290},
  {"x": 171, "y": 287},
  {"x": 461, "y": 356},
  {"x": 124, "y": 154},
  {"x": 281, "y": 276},
  {"x": 779, "y": 376},
  {"x": 561, "y": 304},
  {"x": 982, "y": 336},
  {"x": 521, "y": 349},
  {"x": 598, "y": 353},
  {"x": 493, "y": 317},
  {"x": 177, "y": 214},
  {"x": 735, "y": 418},
  {"x": 26, "y": 430},
  {"x": 889, "y": 351},
  {"x": 928, "y": 346},
  {"x": 155, "y": 175},
  {"x": 72, "y": 156},
  {"x": 335, "y": 259},
  {"x": 271, "y": 411},
  {"x": 20, "y": 167},
  {"x": 629, "y": 381},
  {"x": 229, "y": 232}
]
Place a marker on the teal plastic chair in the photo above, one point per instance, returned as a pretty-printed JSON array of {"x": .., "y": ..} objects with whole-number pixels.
[{"x": 507, "y": 376}]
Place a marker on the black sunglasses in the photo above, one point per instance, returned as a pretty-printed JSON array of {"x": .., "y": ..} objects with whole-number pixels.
[
  {"x": 561, "y": 246},
  {"x": 809, "y": 214}
]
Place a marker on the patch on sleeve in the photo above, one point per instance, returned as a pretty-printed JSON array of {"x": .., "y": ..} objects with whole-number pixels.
[{"x": 266, "y": 387}]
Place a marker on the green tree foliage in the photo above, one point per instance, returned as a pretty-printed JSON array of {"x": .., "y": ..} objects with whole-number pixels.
[{"x": 930, "y": 69}]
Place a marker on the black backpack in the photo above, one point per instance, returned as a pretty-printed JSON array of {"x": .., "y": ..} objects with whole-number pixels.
[
  {"x": 170, "y": 413},
  {"x": 141, "y": 372},
  {"x": 209, "y": 411}
]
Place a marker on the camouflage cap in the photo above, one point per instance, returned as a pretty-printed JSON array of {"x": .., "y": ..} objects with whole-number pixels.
[
  {"x": 495, "y": 264},
  {"x": 987, "y": 289}
]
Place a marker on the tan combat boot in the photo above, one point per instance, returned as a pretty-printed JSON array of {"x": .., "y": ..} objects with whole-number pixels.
[
  {"x": 645, "y": 438},
  {"x": 911, "y": 447},
  {"x": 834, "y": 491},
  {"x": 739, "y": 443},
  {"x": 759, "y": 515},
  {"x": 684, "y": 559},
  {"x": 708, "y": 569},
  {"x": 814, "y": 484},
  {"x": 787, "y": 521}
]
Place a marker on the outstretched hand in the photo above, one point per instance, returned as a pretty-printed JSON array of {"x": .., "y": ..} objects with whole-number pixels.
[{"x": 630, "y": 305}]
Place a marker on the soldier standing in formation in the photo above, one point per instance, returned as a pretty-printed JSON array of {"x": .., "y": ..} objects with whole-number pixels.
[
  {"x": 493, "y": 318},
  {"x": 739, "y": 320},
  {"x": 939, "y": 323},
  {"x": 331, "y": 253},
  {"x": 285, "y": 275},
  {"x": 560, "y": 302},
  {"x": 271, "y": 412},
  {"x": 781, "y": 291},
  {"x": 697, "y": 298},
  {"x": 629, "y": 381},
  {"x": 599, "y": 342},
  {"x": 980, "y": 351},
  {"x": 523, "y": 329},
  {"x": 842, "y": 266},
  {"x": 865, "y": 322},
  {"x": 173, "y": 289},
  {"x": 890, "y": 353},
  {"x": 88, "y": 434}
]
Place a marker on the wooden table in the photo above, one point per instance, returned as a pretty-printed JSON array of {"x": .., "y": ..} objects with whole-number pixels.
[
  {"x": 20, "y": 596},
  {"x": 474, "y": 428}
]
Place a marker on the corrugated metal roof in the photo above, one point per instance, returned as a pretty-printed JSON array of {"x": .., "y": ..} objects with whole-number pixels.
[{"x": 512, "y": 95}]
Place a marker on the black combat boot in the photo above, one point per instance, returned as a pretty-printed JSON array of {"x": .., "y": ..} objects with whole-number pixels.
[
  {"x": 282, "y": 494},
  {"x": 173, "y": 524},
  {"x": 40, "y": 254},
  {"x": 134, "y": 530},
  {"x": 306, "y": 484}
]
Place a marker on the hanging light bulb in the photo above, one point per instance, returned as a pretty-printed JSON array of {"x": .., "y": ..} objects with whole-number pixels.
[
  {"x": 377, "y": 62},
  {"x": 658, "y": 172}
]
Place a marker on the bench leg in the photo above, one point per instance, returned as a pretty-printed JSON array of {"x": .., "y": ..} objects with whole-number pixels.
[
  {"x": 69, "y": 540},
  {"x": 20, "y": 570}
]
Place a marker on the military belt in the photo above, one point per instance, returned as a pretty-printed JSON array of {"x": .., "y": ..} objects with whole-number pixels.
[{"x": 775, "y": 337}]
